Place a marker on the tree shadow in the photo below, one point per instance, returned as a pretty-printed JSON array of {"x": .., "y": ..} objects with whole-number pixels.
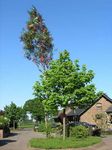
[
  {"x": 13, "y": 134},
  {"x": 6, "y": 141}
]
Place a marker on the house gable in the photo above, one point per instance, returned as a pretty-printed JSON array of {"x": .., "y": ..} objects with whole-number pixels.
[{"x": 100, "y": 105}]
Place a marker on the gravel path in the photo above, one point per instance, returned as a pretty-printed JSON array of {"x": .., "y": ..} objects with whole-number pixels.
[{"x": 19, "y": 141}]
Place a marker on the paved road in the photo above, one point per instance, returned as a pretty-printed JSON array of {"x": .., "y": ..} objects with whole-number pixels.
[{"x": 19, "y": 141}]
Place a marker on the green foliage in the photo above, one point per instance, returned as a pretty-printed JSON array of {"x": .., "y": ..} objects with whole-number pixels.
[
  {"x": 4, "y": 124},
  {"x": 59, "y": 143},
  {"x": 26, "y": 124},
  {"x": 41, "y": 94},
  {"x": 101, "y": 120},
  {"x": 79, "y": 132},
  {"x": 3, "y": 121},
  {"x": 108, "y": 132},
  {"x": 43, "y": 128},
  {"x": 99, "y": 116},
  {"x": 64, "y": 83},
  {"x": 13, "y": 113},
  {"x": 36, "y": 108}
]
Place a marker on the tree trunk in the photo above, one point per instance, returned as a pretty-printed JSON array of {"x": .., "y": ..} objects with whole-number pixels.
[
  {"x": 64, "y": 122},
  {"x": 46, "y": 124},
  {"x": 14, "y": 126}
]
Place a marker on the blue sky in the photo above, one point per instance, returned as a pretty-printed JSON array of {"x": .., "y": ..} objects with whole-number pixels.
[{"x": 83, "y": 27}]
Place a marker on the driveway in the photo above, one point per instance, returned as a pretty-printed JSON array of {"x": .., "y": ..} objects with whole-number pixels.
[{"x": 19, "y": 141}]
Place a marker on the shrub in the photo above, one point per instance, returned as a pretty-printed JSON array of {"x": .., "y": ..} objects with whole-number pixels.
[
  {"x": 96, "y": 132},
  {"x": 3, "y": 122},
  {"x": 42, "y": 128},
  {"x": 108, "y": 132},
  {"x": 4, "y": 126},
  {"x": 79, "y": 131}
]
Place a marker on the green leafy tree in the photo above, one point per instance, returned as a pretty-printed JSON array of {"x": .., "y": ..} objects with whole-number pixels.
[
  {"x": 65, "y": 82},
  {"x": 37, "y": 40},
  {"x": 40, "y": 94},
  {"x": 35, "y": 108},
  {"x": 14, "y": 114}
]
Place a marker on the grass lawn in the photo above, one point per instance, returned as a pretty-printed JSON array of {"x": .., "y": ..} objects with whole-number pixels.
[
  {"x": 58, "y": 143},
  {"x": 27, "y": 125}
]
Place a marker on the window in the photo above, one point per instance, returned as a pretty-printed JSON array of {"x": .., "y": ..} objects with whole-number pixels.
[{"x": 99, "y": 106}]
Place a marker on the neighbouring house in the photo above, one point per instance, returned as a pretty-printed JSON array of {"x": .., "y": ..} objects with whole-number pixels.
[
  {"x": 102, "y": 105},
  {"x": 1, "y": 112}
]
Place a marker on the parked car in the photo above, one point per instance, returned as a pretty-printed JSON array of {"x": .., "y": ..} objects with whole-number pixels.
[{"x": 77, "y": 123}]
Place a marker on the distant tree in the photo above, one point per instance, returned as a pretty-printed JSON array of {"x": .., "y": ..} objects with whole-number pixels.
[
  {"x": 37, "y": 40},
  {"x": 35, "y": 108},
  {"x": 65, "y": 82},
  {"x": 13, "y": 113}
]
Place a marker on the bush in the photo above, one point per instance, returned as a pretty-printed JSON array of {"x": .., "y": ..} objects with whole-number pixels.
[
  {"x": 108, "y": 132},
  {"x": 4, "y": 126},
  {"x": 42, "y": 128},
  {"x": 96, "y": 132},
  {"x": 3, "y": 122},
  {"x": 79, "y": 132}
]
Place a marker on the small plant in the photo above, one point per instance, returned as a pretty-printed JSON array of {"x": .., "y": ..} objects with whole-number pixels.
[
  {"x": 79, "y": 132},
  {"x": 43, "y": 128},
  {"x": 98, "y": 116},
  {"x": 101, "y": 120}
]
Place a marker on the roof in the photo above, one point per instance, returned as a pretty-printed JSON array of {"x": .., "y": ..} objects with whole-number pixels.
[
  {"x": 80, "y": 111},
  {"x": 105, "y": 96},
  {"x": 1, "y": 112},
  {"x": 109, "y": 110},
  {"x": 77, "y": 112}
]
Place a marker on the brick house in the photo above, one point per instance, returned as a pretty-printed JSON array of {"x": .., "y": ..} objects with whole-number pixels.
[{"x": 102, "y": 105}]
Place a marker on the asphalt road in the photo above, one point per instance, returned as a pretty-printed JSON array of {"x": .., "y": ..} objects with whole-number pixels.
[{"x": 19, "y": 140}]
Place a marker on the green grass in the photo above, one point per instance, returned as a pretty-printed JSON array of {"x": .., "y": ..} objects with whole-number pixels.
[
  {"x": 26, "y": 125},
  {"x": 58, "y": 143}
]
